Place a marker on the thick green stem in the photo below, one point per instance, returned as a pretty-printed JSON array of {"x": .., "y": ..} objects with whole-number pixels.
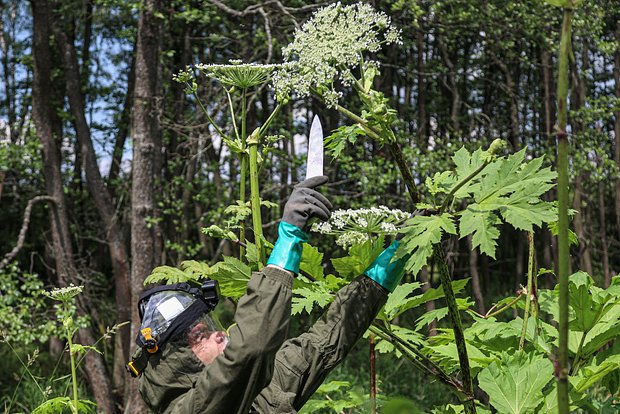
[
  {"x": 257, "y": 223},
  {"x": 417, "y": 358},
  {"x": 530, "y": 291},
  {"x": 74, "y": 407},
  {"x": 405, "y": 171},
  {"x": 243, "y": 168},
  {"x": 563, "y": 249},
  {"x": 457, "y": 326}
]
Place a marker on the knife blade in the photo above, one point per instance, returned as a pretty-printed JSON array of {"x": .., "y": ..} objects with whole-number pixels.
[{"x": 314, "y": 166}]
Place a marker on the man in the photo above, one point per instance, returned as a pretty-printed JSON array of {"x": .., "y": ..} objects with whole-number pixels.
[{"x": 255, "y": 369}]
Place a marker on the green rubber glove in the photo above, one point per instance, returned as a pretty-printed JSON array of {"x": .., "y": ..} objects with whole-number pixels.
[
  {"x": 386, "y": 272},
  {"x": 303, "y": 204}
]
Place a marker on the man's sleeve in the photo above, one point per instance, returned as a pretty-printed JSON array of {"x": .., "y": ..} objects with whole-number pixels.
[
  {"x": 232, "y": 381},
  {"x": 303, "y": 362}
]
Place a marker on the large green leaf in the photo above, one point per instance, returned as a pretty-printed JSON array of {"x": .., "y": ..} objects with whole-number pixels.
[
  {"x": 399, "y": 298},
  {"x": 593, "y": 373},
  {"x": 582, "y": 301},
  {"x": 511, "y": 188},
  {"x": 305, "y": 298},
  {"x": 483, "y": 225},
  {"x": 515, "y": 383},
  {"x": 233, "y": 276},
  {"x": 402, "y": 302},
  {"x": 312, "y": 262},
  {"x": 438, "y": 314},
  {"x": 168, "y": 275},
  {"x": 360, "y": 257},
  {"x": 466, "y": 164},
  {"x": 421, "y": 233}
]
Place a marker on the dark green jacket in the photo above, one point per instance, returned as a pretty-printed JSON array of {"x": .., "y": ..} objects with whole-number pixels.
[{"x": 258, "y": 371}]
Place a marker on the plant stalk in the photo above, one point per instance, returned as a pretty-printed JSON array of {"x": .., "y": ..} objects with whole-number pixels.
[
  {"x": 490, "y": 313},
  {"x": 257, "y": 224},
  {"x": 373, "y": 376},
  {"x": 243, "y": 169},
  {"x": 73, "y": 371},
  {"x": 457, "y": 326},
  {"x": 450, "y": 196},
  {"x": 563, "y": 244},
  {"x": 204, "y": 110},
  {"x": 530, "y": 290},
  {"x": 411, "y": 353}
]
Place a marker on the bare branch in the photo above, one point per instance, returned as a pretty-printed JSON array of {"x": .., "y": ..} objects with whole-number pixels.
[
  {"x": 22, "y": 233},
  {"x": 268, "y": 33}
]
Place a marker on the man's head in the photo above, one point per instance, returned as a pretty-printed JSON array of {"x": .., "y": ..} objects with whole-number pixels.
[
  {"x": 205, "y": 342},
  {"x": 168, "y": 311}
]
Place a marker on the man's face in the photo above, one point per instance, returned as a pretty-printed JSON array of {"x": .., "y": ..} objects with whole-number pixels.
[{"x": 207, "y": 345}]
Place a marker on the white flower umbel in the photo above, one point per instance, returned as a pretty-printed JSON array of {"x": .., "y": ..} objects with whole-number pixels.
[
  {"x": 356, "y": 226},
  {"x": 240, "y": 75},
  {"x": 329, "y": 46},
  {"x": 64, "y": 294}
]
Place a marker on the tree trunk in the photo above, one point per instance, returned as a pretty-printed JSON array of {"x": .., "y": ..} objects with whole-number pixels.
[
  {"x": 617, "y": 128},
  {"x": 422, "y": 130},
  {"x": 123, "y": 126},
  {"x": 43, "y": 115},
  {"x": 146, "y": 144},
  {"x": 451, "y": 83},
  {"x": 549, "y": 97},
  {"x": 103, "y": 203},
  {"x": 513, "y": 104}
]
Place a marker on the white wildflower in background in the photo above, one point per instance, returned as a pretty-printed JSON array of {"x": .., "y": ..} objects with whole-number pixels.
[
  {"x": 328, "y": 46},
  {"x": 65, "y": 293},
  {"x": 356, "y": 226}
]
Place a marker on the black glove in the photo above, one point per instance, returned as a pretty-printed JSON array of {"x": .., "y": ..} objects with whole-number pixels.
[{"x": 305, "y": 203}]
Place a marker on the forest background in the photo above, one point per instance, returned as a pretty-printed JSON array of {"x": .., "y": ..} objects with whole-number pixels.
[{"x": 109, "y": 169}]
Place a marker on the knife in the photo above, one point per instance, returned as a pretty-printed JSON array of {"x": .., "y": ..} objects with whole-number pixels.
[{"x": 314, "y": 167}]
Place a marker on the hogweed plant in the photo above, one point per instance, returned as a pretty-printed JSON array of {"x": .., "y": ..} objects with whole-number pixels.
[
  {"x": 69, "y": 323},
  {"x": 66, "y": 315},
  {"x": 486, "y": 191},
  {"x": 237, "y": 79}
]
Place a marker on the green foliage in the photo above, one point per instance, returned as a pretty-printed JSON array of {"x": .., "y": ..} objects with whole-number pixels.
[
  {"x": 421, "y": 234},
  {"x": 509, "y": 187},
  {"x": 360, "y": 257},
  {"x": 335, "y": 397},
  {"x": 64, "y": 404},
  {"x": 231, "y": 273},
  {"x": 340, "y": 137},
  {"x": 515, "y": 382},
  {"x": 26, "y": 316},
  {"x": 306, "y": 298}
]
